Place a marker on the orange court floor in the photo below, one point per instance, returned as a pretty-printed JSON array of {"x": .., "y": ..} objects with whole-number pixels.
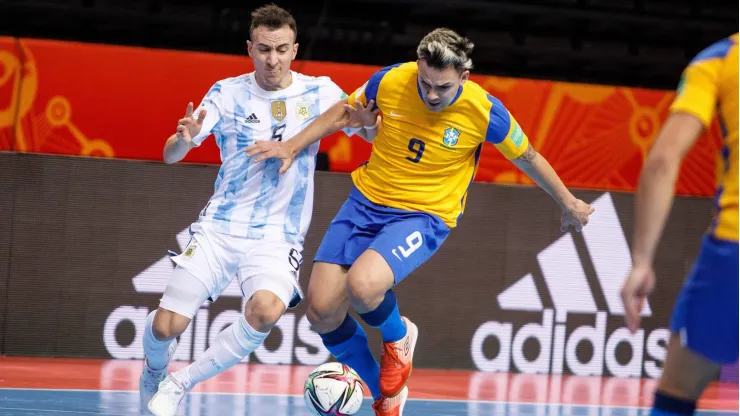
[{"x": 66, "y": 386}]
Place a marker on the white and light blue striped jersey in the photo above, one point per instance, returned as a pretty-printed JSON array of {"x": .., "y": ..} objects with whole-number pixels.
[{"x": 251, "y": 199}]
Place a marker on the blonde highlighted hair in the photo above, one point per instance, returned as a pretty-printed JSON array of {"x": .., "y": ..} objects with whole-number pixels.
[{"x": 444, "y": 48}]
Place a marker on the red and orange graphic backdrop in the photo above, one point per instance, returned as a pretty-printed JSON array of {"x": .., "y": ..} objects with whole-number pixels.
[{"x": 111, "y": 101}]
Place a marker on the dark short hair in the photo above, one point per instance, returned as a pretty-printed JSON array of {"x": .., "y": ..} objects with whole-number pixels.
[{"x": 272, "y": 17}]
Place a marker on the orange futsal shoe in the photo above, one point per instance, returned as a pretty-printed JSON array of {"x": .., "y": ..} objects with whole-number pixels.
[{"x": 395, "y": 364}]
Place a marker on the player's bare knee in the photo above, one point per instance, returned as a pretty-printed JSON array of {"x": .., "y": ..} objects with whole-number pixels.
[
  {"x": 685, "y": 387},
  {"x": 263, "y": 310},
  {"x": 363, "y": 290},
  {"x": 168, "y": 325},
  {"x": 324, "y": 316},
  {"x": 685, "y": 373},
  {"x": 161, "y": 329}
]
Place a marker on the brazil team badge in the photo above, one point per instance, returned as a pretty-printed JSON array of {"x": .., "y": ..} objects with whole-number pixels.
[{"x": 450, "y": 137}]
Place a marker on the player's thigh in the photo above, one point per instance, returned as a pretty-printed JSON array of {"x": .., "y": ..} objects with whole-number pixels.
[
  {"x": 211, "y": 257},
  {"x": 706, "y": 312},
  {"x": 685, "y": 373},
  {"x": 180, "y": 301},
  {"x": 406, "y": 242},
  {"x": 327, "y": 296},
  {"x": 205, "y": 266},
  {"x": 349, "y": 234},
  {"x": 272, "y": 267}
]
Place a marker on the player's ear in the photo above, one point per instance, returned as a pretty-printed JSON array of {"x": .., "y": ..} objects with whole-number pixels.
[
  {"x": 465, "y": 76},
  {"x": 249, "y": 47},
  {"x": 295, "y": 50}
]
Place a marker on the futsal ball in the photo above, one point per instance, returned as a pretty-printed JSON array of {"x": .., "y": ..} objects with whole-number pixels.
[{"x": 333, "y": 389}]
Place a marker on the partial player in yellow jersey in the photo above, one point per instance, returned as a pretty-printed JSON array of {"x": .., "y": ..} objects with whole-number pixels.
[
  {"x": 406, "y": 198},
  {"x": 705, "y": 319}
]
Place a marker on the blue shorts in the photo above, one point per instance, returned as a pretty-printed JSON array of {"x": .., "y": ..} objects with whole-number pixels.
[
  {"x": 405, "y": 239},
  {"x": 706, "y": 313}
]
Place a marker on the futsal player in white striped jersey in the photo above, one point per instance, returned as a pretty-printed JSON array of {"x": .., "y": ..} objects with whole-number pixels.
[{"x": 254, "y": 225}]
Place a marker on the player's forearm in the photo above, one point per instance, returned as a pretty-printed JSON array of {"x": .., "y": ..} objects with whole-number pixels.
[
  {"x": 324, "y": 125},
  {"x": 542, "y": 173},
  {"x": 652, "y": 205},
  {"x": 174, "y": 150}
]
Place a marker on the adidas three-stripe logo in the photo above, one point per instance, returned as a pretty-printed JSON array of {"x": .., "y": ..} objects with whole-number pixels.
[
  {"x": 564, "y": 275},
  {"x": 252, "y": 119},
  {"x": 559, "y": 347}
]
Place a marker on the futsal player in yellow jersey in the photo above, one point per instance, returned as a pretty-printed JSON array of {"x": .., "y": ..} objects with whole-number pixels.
[
  {"x": 406, "y": 199},
  {"x": 705, "y": 320}
]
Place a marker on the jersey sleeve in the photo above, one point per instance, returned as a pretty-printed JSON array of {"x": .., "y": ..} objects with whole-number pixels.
[
  {"x": 697, "y": 91},
  {"x": 213, "y": 104},
  {"x": 504, "y": 132},
  {"x": 331, "y": 94},
  {"x": 369, "y": 90}
]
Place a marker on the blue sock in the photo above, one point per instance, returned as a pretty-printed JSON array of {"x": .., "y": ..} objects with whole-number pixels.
[
  {"x": 665, "y": 405},
  {"x": 348, "y": 344},
  {"x": 387, "y": 318}
]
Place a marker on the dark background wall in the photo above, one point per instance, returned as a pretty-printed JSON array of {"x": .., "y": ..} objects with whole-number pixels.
[
  {"x": 619, "y": 42},
  {"x": 83, "y": 260}
]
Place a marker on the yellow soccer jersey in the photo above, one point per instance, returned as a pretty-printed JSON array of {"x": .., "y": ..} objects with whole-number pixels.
[
  {"x": 424, "y": 160},
  {"x": 709, "y": 86}
]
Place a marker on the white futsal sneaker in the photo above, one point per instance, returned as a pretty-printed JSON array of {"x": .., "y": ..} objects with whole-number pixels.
[
  {"x": 168, "y": 397},
  {"x": 150, "y": 379}
]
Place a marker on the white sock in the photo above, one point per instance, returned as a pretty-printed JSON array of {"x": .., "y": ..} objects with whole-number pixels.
[
  {"x": 228, "y": 349},
  {"x": 155, "y": 350}
]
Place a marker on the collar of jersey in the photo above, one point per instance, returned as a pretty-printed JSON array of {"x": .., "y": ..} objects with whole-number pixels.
[
  {"x": 459, "y": 92},
  {"x": 277, "y": 93}
]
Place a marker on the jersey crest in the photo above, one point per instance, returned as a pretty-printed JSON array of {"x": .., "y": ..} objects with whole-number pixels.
[
  {"x": 302, "y": 111},
  {"x": 278, "y": 109},
  {"x": 450, "y": 137}
]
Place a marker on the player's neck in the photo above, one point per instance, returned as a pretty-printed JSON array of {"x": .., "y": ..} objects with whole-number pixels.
[{"x": 284, "y": 83}]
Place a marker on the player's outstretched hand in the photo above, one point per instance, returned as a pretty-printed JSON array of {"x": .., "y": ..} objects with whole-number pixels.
[
  {"x": 576, "y": 215},
  {"x": 188, "y": 126},
  {"x": 360, "y": 116},
  {"x": 269, "y": 149},
  {"x": 637, "y": 287}
]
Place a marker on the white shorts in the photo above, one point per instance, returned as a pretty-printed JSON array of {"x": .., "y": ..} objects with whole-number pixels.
[{"x": 215, "y": 259}]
